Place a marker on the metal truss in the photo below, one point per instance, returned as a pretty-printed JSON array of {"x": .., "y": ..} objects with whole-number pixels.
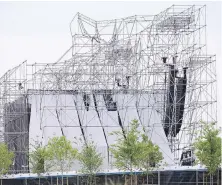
[{"x": 162, "y": 55}]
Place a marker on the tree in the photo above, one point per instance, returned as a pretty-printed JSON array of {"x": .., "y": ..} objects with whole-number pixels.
[
  {"x": 150, "y": 155},
  {"x": 6, "y": 158},
  {"x": 126, "y": 149},
  {"x": 37, "y": 159},
  {"x": 134, "y": 150},
  {"x": 208, "y": 148},
  {"x": 60, "y": 152},
  {"x": 90, "y": 160}
]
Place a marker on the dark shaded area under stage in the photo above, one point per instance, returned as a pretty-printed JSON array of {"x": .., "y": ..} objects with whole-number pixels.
[
  {"x": 16, "y": 117},
  {"x": 177, "y": 177}
]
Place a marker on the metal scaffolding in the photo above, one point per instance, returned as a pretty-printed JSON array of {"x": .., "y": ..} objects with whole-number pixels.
[{"x": 163, "y": 56}]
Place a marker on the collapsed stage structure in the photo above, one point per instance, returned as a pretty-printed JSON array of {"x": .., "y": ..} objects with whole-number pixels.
[{"x": 151, "y": 68}]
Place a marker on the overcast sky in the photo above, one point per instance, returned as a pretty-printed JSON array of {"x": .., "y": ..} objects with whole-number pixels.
[{"x": 39, "y": 31}]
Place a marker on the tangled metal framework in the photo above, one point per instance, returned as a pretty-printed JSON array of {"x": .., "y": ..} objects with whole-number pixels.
[{"x": 163, "y": 56}]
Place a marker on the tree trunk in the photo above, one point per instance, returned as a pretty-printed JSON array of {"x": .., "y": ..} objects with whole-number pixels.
[
  {"x": 131, "y": 174},
  {"x": 90, "y": 180},
  {"x": 126, "y": 180},
  {"x": 62, "y": 169},
  {"x": 210, "y": 179},
  {"x": 203, "y": 178}
]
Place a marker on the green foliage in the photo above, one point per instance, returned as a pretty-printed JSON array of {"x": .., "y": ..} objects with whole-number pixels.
[
  {"x": 6, "y": 158},
  {"x": 60, "y": 151},
  {"x": 126, "y": 149},
  {"x": 37, "y": 159},
  {"x": 150, "y": 155},
  {"x": 133, "y": 149},
  {"x": 89, "y": 158},
  {"x": 208, "y": 148}
]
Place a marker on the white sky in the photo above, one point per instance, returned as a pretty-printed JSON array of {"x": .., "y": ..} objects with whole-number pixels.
[{"x": 39, "y": 31}]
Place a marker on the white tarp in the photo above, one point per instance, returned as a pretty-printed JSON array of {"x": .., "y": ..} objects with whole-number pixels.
[{"x": 66, "y": 114}]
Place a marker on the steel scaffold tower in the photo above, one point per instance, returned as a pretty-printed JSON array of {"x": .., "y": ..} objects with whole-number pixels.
[{"x": 163, "y": 56}]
